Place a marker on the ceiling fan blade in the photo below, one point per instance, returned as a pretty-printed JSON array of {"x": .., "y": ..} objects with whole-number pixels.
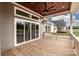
[
  {"x": 50, "y": 8},
  {"x": 45, "y": 11}
]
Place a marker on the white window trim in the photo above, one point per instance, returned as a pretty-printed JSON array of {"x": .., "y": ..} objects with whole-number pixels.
[
  {"x": 17, "y": 8},
  {"x": 15, "y": 37}
]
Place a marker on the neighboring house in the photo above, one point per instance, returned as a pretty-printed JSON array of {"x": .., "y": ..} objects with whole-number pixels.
[
  {"x": 61, "y": 25},
  {"x": 61, "y": 29}
]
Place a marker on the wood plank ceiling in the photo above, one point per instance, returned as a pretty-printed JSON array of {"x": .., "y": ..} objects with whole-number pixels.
[{"x": 39, "y": 7}]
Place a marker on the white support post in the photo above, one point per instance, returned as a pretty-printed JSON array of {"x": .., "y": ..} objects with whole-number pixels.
[
  {"x": 71, "y": 23},
  {"x": 71, "y": 28}
]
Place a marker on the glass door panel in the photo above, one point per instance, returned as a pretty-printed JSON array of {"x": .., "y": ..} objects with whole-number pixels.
[
  {"x": 27, "y": 31},
  {"x": 37, "y": 31},
  {"x": 46, "y": 29},
  {"x": 20, "y": 32},
  {"x": 33, "y": 31}
]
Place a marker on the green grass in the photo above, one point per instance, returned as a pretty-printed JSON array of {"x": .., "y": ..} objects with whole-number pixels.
[
  {"x": 62, "y": 34},
  {"x": 76, "y": 33}
]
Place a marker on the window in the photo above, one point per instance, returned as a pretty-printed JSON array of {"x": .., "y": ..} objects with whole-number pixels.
[
  {"x": 20, "y": 32},
  {"x": 34, "y": 17},
  {"x": 18, "y": 12}
]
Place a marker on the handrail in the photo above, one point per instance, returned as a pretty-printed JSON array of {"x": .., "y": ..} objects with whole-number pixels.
[
  {"x": 75, "y": 37},
  {"x": 75, "y": 41}
]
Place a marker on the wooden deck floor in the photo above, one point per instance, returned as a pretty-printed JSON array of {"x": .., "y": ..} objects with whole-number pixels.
[{"x": 49, "y": 46}]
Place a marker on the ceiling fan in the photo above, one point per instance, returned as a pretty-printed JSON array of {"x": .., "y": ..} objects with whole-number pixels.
[{"x": 45, "y": 11}]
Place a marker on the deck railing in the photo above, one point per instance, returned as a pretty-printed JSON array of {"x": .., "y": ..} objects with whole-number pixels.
[{"x": 75, "y": 42}]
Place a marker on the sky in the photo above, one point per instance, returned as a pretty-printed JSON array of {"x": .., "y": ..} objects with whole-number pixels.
[
  {"x": 76, "y": 17},
  {"x": 66, "y": 18}
]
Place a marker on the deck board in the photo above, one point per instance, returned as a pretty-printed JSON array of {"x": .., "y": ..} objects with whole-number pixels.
[{"x": 43, "y": 47}]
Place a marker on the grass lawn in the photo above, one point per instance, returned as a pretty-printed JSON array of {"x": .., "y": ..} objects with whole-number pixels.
[
  {"x": 76, "y": 33},
  {"x": 64, "y": 34}
]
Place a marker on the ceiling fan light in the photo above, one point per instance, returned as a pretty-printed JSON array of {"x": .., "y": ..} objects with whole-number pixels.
[
  {"x": 63, "y": 7},
  {"x": 45, "y": 12}
]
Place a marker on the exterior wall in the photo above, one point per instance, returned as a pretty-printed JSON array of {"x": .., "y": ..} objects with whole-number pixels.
[
  {"x": 52, "y": 28},
  {"x": 0, "y": 47},
  {"x": 7, "y": 25},
  {"x": 47, "y": 29},
  {"x": 42, "y": 29}
]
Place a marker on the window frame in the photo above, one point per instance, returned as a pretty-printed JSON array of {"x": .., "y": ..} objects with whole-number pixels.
[{"x": 27, "y": 21}]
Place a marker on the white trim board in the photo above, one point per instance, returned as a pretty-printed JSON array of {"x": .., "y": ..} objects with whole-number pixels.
[{"x": 17, "y": 8}]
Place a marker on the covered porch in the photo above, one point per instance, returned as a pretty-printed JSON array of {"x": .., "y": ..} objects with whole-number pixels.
[{"x": 27, "y": 31}]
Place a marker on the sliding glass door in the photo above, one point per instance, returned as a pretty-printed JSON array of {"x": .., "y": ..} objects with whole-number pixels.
[
  {"x": 20, "y": 32},
  {"x": 27, "y": 31},
  {"x": 35, "y": 31}
]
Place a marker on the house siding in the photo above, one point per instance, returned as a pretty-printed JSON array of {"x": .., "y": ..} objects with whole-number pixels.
[{"x": 7, "y": 25}]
